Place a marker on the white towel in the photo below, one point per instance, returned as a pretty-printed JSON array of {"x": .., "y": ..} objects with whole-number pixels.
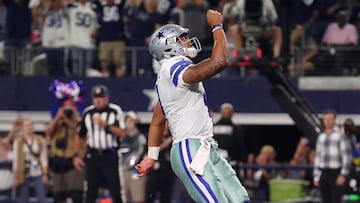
[{"x": 201, "y": 158}]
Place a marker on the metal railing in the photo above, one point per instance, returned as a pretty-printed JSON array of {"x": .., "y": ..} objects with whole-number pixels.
[
  {"x": 330, "y": 60},
  {"x": 31, "y": 61}
]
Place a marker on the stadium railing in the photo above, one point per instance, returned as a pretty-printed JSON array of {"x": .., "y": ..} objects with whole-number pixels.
[{"x": 334, "y": 61}]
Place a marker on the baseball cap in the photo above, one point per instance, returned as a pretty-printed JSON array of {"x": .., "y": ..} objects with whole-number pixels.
[{"x": 99, "y": 91}]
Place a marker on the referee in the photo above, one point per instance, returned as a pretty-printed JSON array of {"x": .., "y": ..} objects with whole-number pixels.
[{"x": 101, "y": 127}]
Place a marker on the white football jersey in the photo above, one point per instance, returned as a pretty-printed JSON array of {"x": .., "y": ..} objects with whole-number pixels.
[
  {"x": 55, "y": 31},
  {"x": 184, "y": 105},
  {"x": 83, "y": 21}
]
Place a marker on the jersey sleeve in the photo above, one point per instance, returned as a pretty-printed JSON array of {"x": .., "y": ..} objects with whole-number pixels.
[{"x": 177, "y": 70}]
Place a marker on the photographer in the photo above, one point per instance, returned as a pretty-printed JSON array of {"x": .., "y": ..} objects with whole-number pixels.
[
  {"x": 30, "y": 164},
  {"x": 67, "y": 181}
]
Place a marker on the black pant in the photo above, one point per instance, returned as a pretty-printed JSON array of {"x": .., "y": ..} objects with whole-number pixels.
[
  {"x": 330, "y": 192},
  {"x": 102, "y": 167},
  {"x": 56, "y": 62}
]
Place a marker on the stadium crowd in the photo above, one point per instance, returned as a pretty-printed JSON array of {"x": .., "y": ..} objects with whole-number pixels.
[{"x": 110, "y": 38}]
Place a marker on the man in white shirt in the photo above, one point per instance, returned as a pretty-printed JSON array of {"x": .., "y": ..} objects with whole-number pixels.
[{"x": 83, "y": 31}]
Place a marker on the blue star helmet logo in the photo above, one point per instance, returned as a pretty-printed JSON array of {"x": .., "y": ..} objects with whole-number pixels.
[{"x": 160, "y": 35}]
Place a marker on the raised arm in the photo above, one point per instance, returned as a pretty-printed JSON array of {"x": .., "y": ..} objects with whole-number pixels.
[{"x": 219, "y": 56}]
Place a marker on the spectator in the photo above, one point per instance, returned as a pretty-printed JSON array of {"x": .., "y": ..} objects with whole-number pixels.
[
  {"x": 233, "y": 70},
  {"x": 30, "y": 164},
  {"x": 341, "y": 33},
  {"x": 249, "y": 182},
  {"x": 230, "y": 137},
  {"x": 6, "y": 174},
  {"x": 172, "y": 13},
  {"x": 67, "y": 182},
  {"x": 196, "y": 9},
  {"x": 111, "y": 37},
  {"x": 38, "y": 10},
  {"x": 83, "y": 32},
  {"x": 8, "y": 143},
  {"x": 168, "y": 8},
  {"x": 350, "y": 131},
  {"x": 257, "y": 20},
  {"x": 332, "y": 161},
  {"x": 176, "y": 16},
  {"x": 144, "y": 20},
  {"x": 323, "y": 14},
  {"x": 309, "y": 47},
  {"x": 55, "y": 38},
  {"x": 133, "y": 150},
  {"x": 300, "y": 158},
  {"x": 161, "y": 178},
  {"x": 129, "y": 10},
  {"x": 302, "y": 43},
  {"x": 354, "y": 7},
  {"x": 17, "y": 32},
  {"x": 262, "y": 176},
  {"x": 299, "y": 15},
  {"x": 101, "y": 127},
  {"x": 300, "y": 12}
]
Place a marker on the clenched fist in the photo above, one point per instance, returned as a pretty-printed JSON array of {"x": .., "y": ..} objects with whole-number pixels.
[{"x": 214, "y": 17}]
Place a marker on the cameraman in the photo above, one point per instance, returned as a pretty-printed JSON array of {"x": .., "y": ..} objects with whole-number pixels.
[{"x": 67, "y": 181}]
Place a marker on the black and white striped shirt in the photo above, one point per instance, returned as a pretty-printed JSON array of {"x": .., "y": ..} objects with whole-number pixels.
[{"x": 97, "y": 137}]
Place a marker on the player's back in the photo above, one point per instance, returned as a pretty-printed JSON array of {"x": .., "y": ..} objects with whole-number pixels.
[{"x": 184, "y": 104}]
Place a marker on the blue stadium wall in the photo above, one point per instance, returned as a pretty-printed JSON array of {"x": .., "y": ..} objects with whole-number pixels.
[{"x": 247, "y": 95}]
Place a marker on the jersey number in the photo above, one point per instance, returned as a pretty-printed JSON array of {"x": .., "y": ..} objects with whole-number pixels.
[
  {"x": 53, "y": 21},
  {"x": 83, "y": 19}
]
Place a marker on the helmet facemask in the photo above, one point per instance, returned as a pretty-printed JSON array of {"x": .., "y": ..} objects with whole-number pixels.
[{"x": 190, "y": 46}]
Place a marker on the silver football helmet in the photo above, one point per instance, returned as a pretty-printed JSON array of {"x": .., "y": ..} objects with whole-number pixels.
[{"x": 168, "y": 41}]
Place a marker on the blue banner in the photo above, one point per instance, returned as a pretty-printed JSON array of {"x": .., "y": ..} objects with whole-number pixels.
[{"x": 247, "y": 95}]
